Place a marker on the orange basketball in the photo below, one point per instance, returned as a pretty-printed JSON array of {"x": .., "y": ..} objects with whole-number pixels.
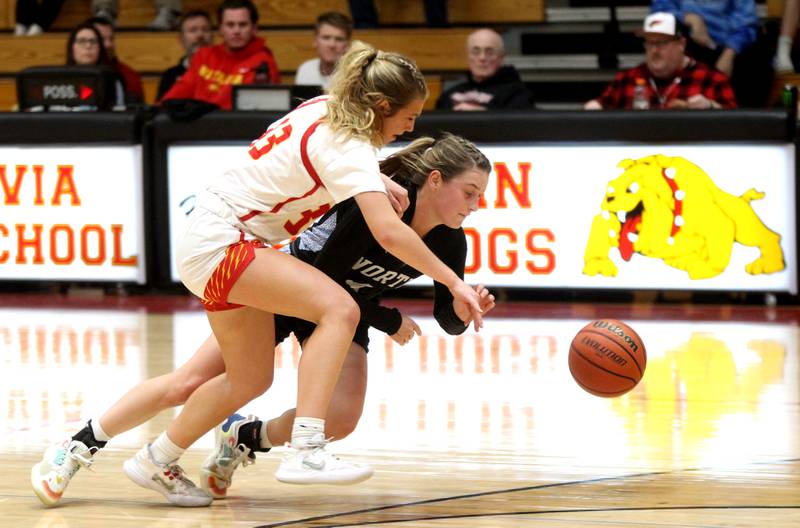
[{"x": 607, "y": 358}]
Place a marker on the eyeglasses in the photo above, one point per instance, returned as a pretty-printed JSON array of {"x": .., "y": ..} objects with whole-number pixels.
[
  {"x": 490, "y": 53},
  {"x": 87, "y": 42},
  {"x": 658, "y": 44}
]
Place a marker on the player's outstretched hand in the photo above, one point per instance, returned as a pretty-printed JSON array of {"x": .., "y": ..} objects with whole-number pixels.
[
  {"x": 486, "y": 303},
  {"x": 463, "y": 293},
  {"x": 406, "y": 331}
]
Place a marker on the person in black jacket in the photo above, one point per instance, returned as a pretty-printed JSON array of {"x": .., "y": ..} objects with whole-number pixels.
[
  {"x": 490, "y": 84},
  {"x": 445, "y": 179},
  {"x": 194, "y": 32}
]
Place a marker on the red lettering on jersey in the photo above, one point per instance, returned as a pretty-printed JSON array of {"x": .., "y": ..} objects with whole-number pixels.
[
  {"x": 506, "y": 181},
  {"x": 65, "y": 185},
  {"x": 38, "y": 199},
  {"x": 306, "y": 216},
  {"x": 266, "y": 142}
]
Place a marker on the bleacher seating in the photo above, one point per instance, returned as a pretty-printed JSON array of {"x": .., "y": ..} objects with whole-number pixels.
[{"x": 566, "y": 50}]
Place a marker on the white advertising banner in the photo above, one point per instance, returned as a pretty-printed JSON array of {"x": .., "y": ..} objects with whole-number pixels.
[
  {"x": 72, "y": 213},
  {"x": 667, "y": 217}
]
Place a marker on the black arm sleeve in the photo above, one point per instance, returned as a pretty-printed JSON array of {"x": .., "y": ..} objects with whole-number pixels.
[{"x": 453, "y": 253}]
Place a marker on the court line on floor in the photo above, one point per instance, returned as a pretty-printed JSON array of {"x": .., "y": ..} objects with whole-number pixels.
[
  {"x": 495, "y": 492},
  {"x": 588, "y": 510}
]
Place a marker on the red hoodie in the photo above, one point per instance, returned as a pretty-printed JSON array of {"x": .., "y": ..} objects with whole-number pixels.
[{"x": 214, "y": 69}]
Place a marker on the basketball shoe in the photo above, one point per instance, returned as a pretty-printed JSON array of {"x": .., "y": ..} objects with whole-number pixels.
[
  {"x": 310, "y": 463},
  {"x": 216, "y": 474},
  {"x": 61, "y": 461},
  {"x": 167, "y": 479}
]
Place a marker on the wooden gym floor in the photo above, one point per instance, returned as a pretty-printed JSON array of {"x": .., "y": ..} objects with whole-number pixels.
[{"x": 483, "y": 430}]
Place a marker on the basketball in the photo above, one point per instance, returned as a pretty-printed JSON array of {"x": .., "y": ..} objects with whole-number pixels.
[{"x": 607, "y": 358}]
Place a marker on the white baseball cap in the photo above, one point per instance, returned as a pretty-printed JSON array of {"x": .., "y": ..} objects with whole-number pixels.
[{"x": 661, "y": 24}]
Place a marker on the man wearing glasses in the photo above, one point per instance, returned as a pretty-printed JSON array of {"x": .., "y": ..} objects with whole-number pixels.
[
  {"x": 490, "y": 84},
  {"x": 668, "y": 78}
]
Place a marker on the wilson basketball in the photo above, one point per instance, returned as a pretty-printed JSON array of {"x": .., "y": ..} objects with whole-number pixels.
[{"x": 607, "y": 358}]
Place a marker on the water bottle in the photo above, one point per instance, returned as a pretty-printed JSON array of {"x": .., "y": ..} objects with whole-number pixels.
[{"x": 640, "y": 99}]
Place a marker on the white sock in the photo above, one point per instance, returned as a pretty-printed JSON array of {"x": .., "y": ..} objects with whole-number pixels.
[
  {"x": 164, "y": 450},
  {"x": 305, "y": 429},
  {"x": 265, "y": 441},
  {"x": 98, "y": 432}
]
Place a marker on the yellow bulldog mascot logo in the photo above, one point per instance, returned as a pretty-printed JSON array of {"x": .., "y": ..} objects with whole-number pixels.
[{"x": 668, "y": 208}]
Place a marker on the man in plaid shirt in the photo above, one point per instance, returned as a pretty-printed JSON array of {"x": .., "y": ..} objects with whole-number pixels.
[{"x": 669, "y": 78}]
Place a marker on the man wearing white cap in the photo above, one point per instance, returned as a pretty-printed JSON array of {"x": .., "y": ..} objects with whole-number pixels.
[{"x": 668, "y": 78}]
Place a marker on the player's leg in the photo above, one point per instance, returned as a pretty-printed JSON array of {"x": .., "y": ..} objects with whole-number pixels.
[
  {"x": 239, "y": 437},
  {"x": 272, "y": 281},
  {"x": 51, "y": 476}
]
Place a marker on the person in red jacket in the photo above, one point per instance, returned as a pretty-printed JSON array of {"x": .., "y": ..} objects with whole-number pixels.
[{"x": 242, "y": 58}]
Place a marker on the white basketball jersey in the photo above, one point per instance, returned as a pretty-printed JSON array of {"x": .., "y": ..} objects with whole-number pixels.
[{"x": 294, "y": 173}]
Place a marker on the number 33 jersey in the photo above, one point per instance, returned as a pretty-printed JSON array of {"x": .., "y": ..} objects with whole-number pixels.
[{"x": 294, "y": 173}]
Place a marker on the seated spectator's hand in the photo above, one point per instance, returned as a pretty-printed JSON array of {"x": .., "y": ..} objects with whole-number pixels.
[
  {"x": 700, "y": 102},
  {"x": 592, "y": 105},
  {"x": 678, "y": 104},
  {"x": 698, "y": 30},
  {"x": 468, "y": 107}
]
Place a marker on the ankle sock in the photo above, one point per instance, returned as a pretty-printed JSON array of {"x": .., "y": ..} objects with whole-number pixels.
[
  {"x": 164, "y": 450},
  {"x": 306, "y": 428}
]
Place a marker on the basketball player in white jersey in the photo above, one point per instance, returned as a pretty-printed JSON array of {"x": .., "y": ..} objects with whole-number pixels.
[{"x": 322, "y": 153}]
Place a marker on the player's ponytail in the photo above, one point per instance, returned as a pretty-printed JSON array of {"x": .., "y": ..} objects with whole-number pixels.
[
  {"x": 451, "y": 155},
  {"x": 364, "y": 78}
]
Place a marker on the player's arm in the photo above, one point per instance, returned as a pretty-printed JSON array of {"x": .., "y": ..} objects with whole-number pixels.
[{"x": 401, "y": 241}]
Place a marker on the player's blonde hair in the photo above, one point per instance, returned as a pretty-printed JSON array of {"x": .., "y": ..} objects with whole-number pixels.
[
  {"x": 451, "y": 155},
  {"x": 364, "y": 78}
]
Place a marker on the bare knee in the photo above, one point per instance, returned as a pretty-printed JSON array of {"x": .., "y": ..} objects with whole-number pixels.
[
  {"x": 341, "y": 311},
  {"x": 181, "y": 386}
]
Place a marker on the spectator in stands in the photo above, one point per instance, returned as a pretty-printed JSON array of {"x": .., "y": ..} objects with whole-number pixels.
[
  {"x": 134, "y": 93},
  {"x": 783, "y": 55},
  {"x": 167, "y": 12},
  {"x": 490, "y": 84},
  {"x": 668, "y": 77},
  {"x": 242, "y": 58},
  {"x": 34, "y": 17},
  {"x": 194, "y": 33},
  {"x": 366, "y": 17},
  {"x": 332, "y": 35},
  {"x": 85, "y": 48},
  {"x": 725, "y": 34}
]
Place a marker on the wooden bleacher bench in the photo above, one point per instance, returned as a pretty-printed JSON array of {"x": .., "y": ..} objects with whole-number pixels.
[
  {"x": 435, "y": 50},
  {"x": 136, "y": 14}
]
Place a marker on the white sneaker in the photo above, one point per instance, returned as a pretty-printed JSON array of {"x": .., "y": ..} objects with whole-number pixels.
[
  {"x": 166, "y": 20},
  {"x": 783, "y": 64},
  {"x": 311, "y": 464},
  {"x": 51, "y": 476},
  {"x": 167, "y": 479},
  {"x": 34, "y": 30},
  {"x": 20, "y": 30},
  {"x": 216, "y": 474}
]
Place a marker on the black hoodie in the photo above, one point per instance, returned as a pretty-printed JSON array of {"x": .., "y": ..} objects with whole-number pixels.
[{"x": 504, "y": 89}]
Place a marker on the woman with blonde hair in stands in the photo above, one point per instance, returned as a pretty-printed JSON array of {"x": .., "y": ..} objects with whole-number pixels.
[{"x": 322, "y": 153}]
